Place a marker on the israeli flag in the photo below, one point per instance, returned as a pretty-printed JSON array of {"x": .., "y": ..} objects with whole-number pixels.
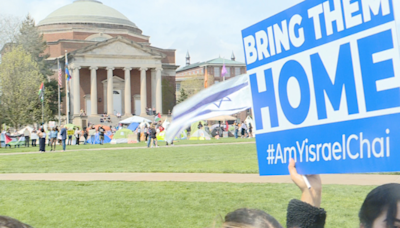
[{"x": 225, "y": 98}]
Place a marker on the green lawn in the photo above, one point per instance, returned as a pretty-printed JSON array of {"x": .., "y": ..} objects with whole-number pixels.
[
  {"x": 142, "y": 144},
  {"x": 233, "y": 158},
  {"x": 163, "y": 204}
]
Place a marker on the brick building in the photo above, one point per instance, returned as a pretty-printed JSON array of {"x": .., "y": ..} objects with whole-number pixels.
[{"x": 113, "y": 66}]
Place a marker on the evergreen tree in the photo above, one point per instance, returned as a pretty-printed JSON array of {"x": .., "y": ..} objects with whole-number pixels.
[
  {"x": 50, "y": 105},
  {"x": 168, "y": 93},
  {"x": 183, "y": 96},
  {"x": 32, "y": 41}
]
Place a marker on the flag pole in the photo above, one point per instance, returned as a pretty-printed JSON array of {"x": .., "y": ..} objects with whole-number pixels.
[
  {"x": 43, "y": 106},
  {"x": 59, "y": 95},
  {"x": 67, "y": 96}
]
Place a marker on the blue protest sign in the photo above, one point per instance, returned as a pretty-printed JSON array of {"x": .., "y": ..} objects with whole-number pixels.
[{"x": 325, "y": 84}]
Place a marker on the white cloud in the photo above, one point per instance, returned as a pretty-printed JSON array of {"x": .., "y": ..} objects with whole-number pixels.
[{"x": 206, "y": 28}]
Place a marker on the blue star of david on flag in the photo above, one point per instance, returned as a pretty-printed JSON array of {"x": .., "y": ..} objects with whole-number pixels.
[{"x": 219, "y": 103}]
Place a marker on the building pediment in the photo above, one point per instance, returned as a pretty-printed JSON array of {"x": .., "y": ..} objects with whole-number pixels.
[{"x": 119, "y": 46}]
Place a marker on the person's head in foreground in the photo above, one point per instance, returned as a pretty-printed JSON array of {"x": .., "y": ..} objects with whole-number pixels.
[
  {"x": 381, "y": 208},
  {"x": 7, "y": 222},
  {"x": 250, "y": 218}
]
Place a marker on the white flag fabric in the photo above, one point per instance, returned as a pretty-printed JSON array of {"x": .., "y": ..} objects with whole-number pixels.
[{"x": 225, "y": 98}]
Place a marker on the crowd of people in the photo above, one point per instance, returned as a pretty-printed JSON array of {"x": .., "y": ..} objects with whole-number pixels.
[
  {"x": 245, "y": 131},
  {"x": 239, "y": 129},
  {"x": 149, "y": 133},
  {"x": 53, "y": 136}
]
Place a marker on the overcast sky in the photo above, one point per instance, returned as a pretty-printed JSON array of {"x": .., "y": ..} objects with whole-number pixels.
[{"x": 207, "y": 28}]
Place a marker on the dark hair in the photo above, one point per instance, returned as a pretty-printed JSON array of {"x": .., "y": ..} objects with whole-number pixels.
[
  {"x": 42, "y": 129},
  {"x": 250, "y": 217},
  {"x": 384, "y": 197},
  {"x": 8, "y": 222}
]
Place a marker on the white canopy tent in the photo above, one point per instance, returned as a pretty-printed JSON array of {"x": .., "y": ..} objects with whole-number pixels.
[{"x": 135, "y": 119}]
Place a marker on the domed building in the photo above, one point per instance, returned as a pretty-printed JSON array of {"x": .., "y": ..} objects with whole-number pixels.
[{"x": 114, "y": 69}]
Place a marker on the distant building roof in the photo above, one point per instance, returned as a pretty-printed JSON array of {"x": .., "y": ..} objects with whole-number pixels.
[
  {"x": 87, "y": 11},
  {"x": 217, "y": 61}
]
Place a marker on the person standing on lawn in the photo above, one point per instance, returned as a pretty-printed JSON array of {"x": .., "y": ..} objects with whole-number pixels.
[
  {"x": 42, "y": 140},
  {"x": 63, "y": 134},
  {"x": 85, "y": 135},
  {"x": 138, "y": 134},
  {"x": 236, "y": 129},
  {"x": 92, "y": 135},
  {"x": 101, "y": 134},
  {"x": 250, "y": 131},
  {"x": 27, "y": 135},
  {"x": 153, "y": 135},
  {"x": 53, "y": 138},
  {"x": 48, "y": 136},
  {"x": 70, "y": 138},
  {"x": 146, "y": 132},
  {"x": 243, "y": 128},
  {"x": 34, "y": 137},
  {"x": 77, "y": 136}
]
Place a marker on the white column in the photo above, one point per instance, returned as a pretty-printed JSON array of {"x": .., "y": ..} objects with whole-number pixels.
[
  {"x": 143, "y": 91},
  {"x": 93, "y": 90},
  {"x": 153, "y": 88},
  {"x": 158, "y": 90},
  {"x": 110, "y": 91},
  {"x": 77, "y": 94},
  {"x": 128, "y": 108}
]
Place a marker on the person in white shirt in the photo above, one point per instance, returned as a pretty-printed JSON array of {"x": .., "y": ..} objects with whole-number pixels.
[
  {"x": 243, "y": 128},
  {"x": 34, "y": 138},
  {"x": 27, "y": 135},
  {"x": 92, "y": 133}
]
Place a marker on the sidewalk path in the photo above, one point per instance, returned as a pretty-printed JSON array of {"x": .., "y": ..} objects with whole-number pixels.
[
  {"x": 344, "y": 179},
  {"x": 128, "y": 148}
]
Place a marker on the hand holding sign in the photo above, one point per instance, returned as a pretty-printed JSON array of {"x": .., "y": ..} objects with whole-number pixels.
[{"x": 311, "y": 195}]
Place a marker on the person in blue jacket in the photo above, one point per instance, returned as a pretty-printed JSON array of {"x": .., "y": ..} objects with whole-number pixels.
[{"x": 63, "y": 134}]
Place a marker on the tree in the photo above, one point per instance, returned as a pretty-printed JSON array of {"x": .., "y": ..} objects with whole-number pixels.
[
  {"x": 193, "y": 85},
  {"x": 168, "y": 93},
  {"x": 183, "y": 96},
  {"x": 20, "y": 79},
  {"x": 32, "y": 41},
  {"x": 10, "y": 26},
  {"x": 50, "y": 103}
]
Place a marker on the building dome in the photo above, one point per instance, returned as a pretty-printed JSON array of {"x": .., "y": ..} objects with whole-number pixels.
[{"x": 87, "y": 11}]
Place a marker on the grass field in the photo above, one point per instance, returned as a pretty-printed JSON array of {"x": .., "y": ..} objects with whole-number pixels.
[
  {"x": 234, "y": 158},
  {"x": 154, "y": 204},
  {"x": 105, "y": 146},
  {"x": 162, "y": 204}
]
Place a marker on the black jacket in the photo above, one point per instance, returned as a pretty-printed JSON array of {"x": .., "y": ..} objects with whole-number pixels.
[{"x": 303, "y": 215}]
